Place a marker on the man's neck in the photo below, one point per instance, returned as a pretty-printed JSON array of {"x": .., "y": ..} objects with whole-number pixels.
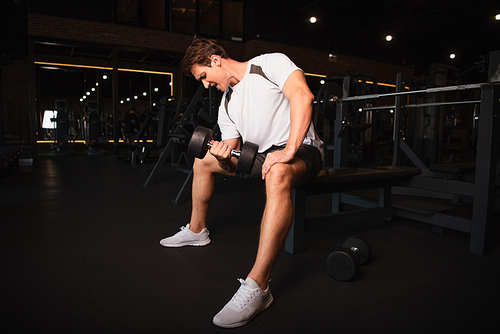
[{"x": 236, "y": 70}]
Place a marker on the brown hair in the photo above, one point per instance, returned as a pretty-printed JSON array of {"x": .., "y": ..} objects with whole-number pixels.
[{"x": 199, "y": 52}]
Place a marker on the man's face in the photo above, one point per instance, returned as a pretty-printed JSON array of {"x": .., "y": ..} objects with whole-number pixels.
[{"x": 211, "y": 76}]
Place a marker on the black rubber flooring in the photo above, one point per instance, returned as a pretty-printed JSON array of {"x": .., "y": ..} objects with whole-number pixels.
[{"x": 80, "y": 254}]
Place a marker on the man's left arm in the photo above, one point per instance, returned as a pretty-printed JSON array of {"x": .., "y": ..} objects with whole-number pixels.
[{"x": 301, "y": 100}]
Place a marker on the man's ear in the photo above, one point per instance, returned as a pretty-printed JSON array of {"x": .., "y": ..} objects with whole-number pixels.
[{"x": 216, "y": 60}]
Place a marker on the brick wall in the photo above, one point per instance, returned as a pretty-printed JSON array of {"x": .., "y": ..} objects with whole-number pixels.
[
  {"x": 15, "y": 102},
  {"x": 105, "y": 33}
]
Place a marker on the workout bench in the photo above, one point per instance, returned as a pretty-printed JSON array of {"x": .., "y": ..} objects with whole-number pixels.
[{"x": 337, "y": 181}]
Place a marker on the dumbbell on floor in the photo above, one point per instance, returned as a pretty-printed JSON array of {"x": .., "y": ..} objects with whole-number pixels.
[
  {"x": 344, "y": 262},
  {"x": 200, "y": 144}
]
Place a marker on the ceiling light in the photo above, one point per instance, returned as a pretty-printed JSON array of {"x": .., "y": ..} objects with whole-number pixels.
[
  {"x": 121, "y": 101},
  {"x": 93, "y": 89},
  {"x": 88, "y": 93},
  {"x": 156, "y": 89},
  {"x": 144, "y": 94},
  {"x": 313, "y": 19},
  {"x": 135, "y": 97},
  {"x": 497, "y": 17},
  {"x": 128, "y": 99},
  {"x": 388, "y": 38},
  {"x": 104, "y": 76},
  {"x": 452, "y": 56}
]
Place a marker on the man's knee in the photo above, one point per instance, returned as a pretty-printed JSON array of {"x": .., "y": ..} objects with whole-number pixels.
[
  {"x": 208, "y": 165},
  {"x": 202, "y": 165},
  {"x": 280, "y": 176}
]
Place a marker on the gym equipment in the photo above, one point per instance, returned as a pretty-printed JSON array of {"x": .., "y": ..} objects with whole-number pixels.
[
  {"x": 338, "y": 182},
  {"x": 179, "y": 131},
  {"x": 92, "y": 124},
  {"x": 344, "y": 262},
  {"x": 200, "y": 144},
  {"x": 327, "y": 98},
  {"x": 62, "y": 129},
  {"x": 481, "y": 191}
]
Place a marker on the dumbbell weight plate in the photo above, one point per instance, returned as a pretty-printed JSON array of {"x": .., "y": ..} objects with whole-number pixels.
[
  {"x": 362, "y": 244},
  {"x": 247, "y": 157},
  {"x": 198, "y": 144},
  {"x": 342, "y": 264}
]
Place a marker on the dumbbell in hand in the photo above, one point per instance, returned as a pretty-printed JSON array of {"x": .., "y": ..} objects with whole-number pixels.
[
  {"x": 200, "y": 144},
  {"x": 344, "y": 262}
]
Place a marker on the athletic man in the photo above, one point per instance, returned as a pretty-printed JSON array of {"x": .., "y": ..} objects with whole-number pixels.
[{"x": 266, "y": 101}]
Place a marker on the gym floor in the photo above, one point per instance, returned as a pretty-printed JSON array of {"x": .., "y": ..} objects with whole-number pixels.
[{"x": 80, "y": 254}]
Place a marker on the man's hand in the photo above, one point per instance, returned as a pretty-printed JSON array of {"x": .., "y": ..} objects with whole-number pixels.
[
  {"x": 221, "y": 151},
  {"x": 282, "y": 156}
]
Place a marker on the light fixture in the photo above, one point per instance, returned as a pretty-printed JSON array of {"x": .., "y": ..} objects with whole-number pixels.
[
  {"x": 144, "y": 94},
  {"x": 156, "y": 89},
  {"x": 135, "y": 97},
  {"x": 322, "y": 82},
  {"x": 128, "y": 99},
  {"x": 452, "y": 56},
  {"x": 110, "y": 69},
  {"x": 388, "y": 38},
  {"x": 497, "y": 17},
  {"x": 93, "y": 89},
  {"x": 313, "y": 19},
  {"x": 87, "y": 93},
  {"x": 121, "y": 101}
]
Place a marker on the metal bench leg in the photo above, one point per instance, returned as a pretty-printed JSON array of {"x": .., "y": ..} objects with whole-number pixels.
[
  {"x": 484, "y": 188},
  {"x": 294, "y": 243}
]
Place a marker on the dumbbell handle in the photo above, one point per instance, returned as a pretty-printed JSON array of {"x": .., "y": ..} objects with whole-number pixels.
[{"x": 234, "y": 153}]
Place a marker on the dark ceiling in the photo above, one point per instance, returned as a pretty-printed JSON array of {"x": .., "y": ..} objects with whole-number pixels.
[{"x": 425, "y": 32}]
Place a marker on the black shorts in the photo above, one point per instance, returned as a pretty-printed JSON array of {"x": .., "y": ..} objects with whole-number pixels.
[{"x": 307, "y": 153}]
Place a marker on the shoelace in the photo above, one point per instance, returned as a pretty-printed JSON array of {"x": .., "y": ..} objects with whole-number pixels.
[
  {"x": 244, "y": 294},
  {"x": 184, "y": 230}
]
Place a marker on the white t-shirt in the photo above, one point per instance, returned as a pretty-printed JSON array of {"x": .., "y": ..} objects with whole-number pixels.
[{"x": 257, "y": 110}]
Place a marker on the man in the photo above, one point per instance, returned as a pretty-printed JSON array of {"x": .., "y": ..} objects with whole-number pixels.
[{"x": 266, "y": 101}]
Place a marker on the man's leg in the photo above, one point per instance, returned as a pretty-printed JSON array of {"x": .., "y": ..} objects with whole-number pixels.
[
  {"x": 204, "y": 171},
  {"x": 195, "y": 233},
  {"x": 277, "y": 217},
  {"x": 254, "y": 295}
]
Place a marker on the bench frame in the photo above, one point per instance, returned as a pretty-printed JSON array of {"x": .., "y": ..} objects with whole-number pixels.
[{"x": 381, "y": 178}]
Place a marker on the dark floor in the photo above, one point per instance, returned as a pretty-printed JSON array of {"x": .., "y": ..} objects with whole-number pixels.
[{"x": 80, "y": 254}]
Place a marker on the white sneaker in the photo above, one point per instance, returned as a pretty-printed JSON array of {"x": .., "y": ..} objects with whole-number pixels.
[
  {"x": 246, "y": 303},
  {"x": 186, "y": 237}
]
